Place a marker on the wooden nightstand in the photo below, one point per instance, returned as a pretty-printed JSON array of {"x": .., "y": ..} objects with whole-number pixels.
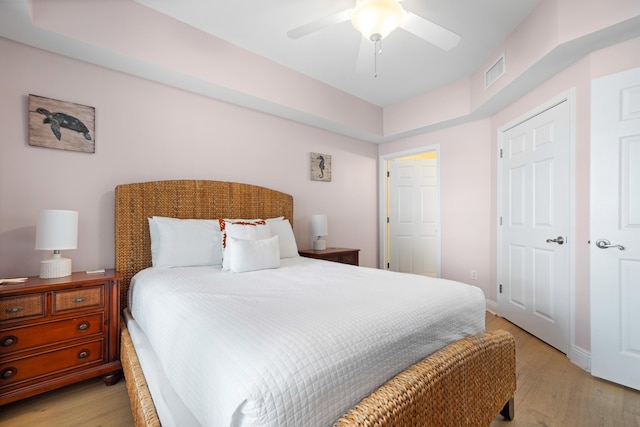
[
  {"x": 343, "y": 255},
  {"x": 55, "y": 332}
]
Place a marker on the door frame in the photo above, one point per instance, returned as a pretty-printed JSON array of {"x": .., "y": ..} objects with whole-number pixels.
[
  {"x": 383, "y": 197},
  {"x": 575, "y": 354}
]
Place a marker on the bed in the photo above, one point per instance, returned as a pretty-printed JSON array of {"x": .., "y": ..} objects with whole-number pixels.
[{"x": 468, "y": 381}]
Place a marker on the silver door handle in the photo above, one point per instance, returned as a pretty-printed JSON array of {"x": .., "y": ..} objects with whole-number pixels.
[
  {"x": 559, "y": 240},
  {"x": 605, "y": 244}
]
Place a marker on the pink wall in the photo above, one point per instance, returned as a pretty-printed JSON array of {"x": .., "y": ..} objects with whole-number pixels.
[
  {"x": 469, "y": 184},
  {"x": 465, "y": 198},
  {"x": 611, "y": 60},
  {"x": 148, "y": 131},
  {"x": 440, "y": 105},
  {"x": 551, "y": 37}
]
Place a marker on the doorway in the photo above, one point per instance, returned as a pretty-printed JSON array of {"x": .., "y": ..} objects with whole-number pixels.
[
  {"x": 535, "y": 240},
  {"x": 410, "y": 212}
]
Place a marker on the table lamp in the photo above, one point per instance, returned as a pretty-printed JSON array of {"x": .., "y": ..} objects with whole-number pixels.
[
  {"x": 319, "y": 229},
  {"x": 57, "y": 230}
]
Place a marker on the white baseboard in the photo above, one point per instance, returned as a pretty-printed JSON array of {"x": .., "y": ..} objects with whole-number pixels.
[
  {"x": 580, "y": 357},
  {"x": 491, "y": 306}
]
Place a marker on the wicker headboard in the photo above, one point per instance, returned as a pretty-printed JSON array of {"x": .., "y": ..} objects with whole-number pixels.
[{"x": 197, "y": 199}]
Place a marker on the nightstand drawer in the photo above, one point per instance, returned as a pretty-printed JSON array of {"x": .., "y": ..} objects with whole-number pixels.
[
  {"x": 17, "y": 307},
  {"x": 77, "y": 299},
  {"x": 348, "y": 259},
  {"x": 14, "y": 371},
  {"x": 334, "y": 258},
  {"x": 49, "y": 333},
  {"x": 341, "y": 255}
]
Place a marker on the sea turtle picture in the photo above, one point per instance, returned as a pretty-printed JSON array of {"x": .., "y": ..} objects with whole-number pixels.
[
  {"x": 62, "y": 120},
  {"x": 61, "y": 125}
]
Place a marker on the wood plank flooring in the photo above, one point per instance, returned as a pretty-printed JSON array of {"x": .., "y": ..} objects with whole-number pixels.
[
  {"x": 551, "y": 392},
  {"x": 86, "y": 404}
]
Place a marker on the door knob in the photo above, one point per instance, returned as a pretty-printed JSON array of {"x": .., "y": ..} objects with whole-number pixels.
[
  {"x": 559, "y": 240},
  {"x": 605, "y": 244}
]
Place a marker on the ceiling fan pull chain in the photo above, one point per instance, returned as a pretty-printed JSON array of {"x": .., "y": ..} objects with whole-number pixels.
[
  {"x": 375, "y": 62},
  {"x": 377, "y": 50}
]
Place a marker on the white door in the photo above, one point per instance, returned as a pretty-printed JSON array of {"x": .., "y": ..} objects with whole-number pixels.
[
  {"x": 615, "y": 228},
  {"x": 413, "y": 216},
  {"x": 534, "y": 278}
]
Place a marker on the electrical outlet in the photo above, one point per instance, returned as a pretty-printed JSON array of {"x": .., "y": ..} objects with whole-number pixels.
[{"x": 474, "y": 274}]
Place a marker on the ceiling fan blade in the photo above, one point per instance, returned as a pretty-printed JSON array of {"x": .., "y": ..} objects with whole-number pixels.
[
  {"x": 430, "y": 31},
  {"x": 319, "y": 24}
]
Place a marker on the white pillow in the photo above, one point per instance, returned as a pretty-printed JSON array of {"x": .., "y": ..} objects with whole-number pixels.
[
  {"x": 280, "y": 218},
  {"x": 184, "y": 242},
  {"x": 242, "y": 229},
  {"x": 251, "y": 255},
  {"x": 282, "y": 228}
]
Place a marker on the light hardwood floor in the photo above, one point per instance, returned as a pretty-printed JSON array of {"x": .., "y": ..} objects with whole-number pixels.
[
  {"x": 86, "y": 404},
  {"x": 551, "y": 392}
]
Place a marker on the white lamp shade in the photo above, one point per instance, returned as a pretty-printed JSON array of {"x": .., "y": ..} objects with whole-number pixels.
[
  {"x": 57, "y": 230},
  {"x": 379, "y": 17},
  {"x": 319, "y": 226}
]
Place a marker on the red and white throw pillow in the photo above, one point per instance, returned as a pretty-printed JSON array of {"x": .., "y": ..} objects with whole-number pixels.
[{"x": 254, "y": 229}]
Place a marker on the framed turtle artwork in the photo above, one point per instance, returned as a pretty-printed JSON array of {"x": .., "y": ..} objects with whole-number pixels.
[{"x": 62, "y": 125}]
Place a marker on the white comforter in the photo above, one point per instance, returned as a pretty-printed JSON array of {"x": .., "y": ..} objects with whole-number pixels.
[{"x": 298, "y": 345}]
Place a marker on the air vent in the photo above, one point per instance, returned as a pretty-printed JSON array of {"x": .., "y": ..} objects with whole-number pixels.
[{"x": 494, "y": 72}]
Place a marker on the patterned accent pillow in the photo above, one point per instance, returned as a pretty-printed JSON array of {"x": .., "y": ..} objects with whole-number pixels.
[{"x": 254, "y": 229}]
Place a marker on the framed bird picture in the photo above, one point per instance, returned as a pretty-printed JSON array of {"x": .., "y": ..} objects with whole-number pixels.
[
  {"x": 62, "y": 125},
  {"x": 320, "y": 167}
]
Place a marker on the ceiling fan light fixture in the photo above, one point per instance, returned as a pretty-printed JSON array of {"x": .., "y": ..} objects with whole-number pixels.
[{"x": 375, "y": 19}]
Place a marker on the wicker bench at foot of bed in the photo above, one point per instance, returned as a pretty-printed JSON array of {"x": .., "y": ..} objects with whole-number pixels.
[{"x": 466, "y": 383}]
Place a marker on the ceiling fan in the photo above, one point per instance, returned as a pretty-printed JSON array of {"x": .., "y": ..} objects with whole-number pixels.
[{"x": 376, "y": 19}]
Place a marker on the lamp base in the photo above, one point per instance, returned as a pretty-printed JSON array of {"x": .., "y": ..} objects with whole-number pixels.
[
  {"x": 319, "y": 245},
  {"x": 55, "y": 267}
]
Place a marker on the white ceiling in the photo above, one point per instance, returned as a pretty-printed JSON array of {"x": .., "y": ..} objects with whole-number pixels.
[{"x": 409, "y": 66}]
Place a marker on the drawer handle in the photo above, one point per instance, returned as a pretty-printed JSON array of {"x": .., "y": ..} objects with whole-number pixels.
[
  {"x": 10, "y": 340},
  {"x": 80, "y": 299},
  {"x": 83, "y": 354},
  {"x": 8, "y": 373},
  {"x": 83, "y": 326},
  {"x": 16, "y": 309}
]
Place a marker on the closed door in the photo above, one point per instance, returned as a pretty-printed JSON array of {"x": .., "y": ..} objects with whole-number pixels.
[
  {"x": 534, "y": 279},
  {"x": 615, "y": 228},
  {"x": 413, "y": 216}
]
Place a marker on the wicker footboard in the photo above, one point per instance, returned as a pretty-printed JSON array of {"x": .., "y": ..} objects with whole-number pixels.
[
  {"x": 144, "y": 412},
  {"x": 465, "y": 384}
]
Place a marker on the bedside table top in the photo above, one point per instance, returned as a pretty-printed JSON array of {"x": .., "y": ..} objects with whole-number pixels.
[
  {"x": 328, "y": 251},
  {"x": 76, "y": 277}
]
